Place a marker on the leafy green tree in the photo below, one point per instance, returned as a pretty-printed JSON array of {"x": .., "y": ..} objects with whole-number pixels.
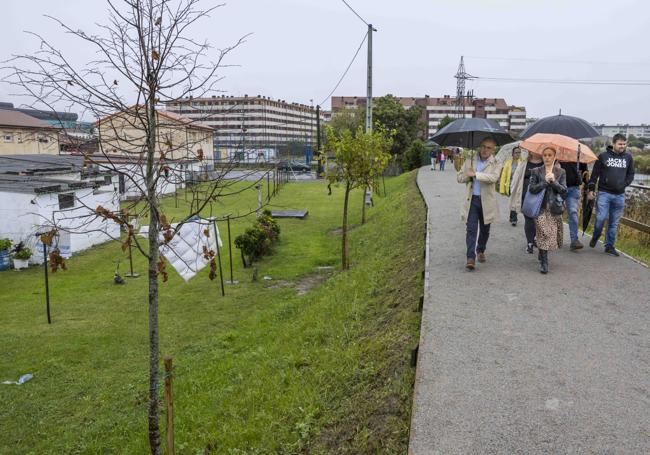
[
  {"x": 598, "y": 145},
  {"x": 405, "y": 124},
  {"x": 414, "y": 155},
  {"x": 446, "y": 120},
  {"x": 360, "y": 160},
  {"x": 348, "y": 120},
  {"x": 633, "y": 141}
]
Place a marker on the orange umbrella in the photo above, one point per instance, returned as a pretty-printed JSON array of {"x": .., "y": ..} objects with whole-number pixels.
[{"x": 568, "y": 149}]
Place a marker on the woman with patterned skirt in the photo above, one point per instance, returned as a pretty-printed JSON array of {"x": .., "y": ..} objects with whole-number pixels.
[{"x": 548, "y": 225}]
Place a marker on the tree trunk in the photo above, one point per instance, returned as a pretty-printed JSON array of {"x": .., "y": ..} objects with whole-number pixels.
[
  {"x": 363, "y": 206},
  {"x": 344, "y": 230},
  {"x": 154, "y": 228},
  {"x": 154, "y": 428}
]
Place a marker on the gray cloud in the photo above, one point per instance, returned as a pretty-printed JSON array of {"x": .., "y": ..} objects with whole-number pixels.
[{"x": 299, "y": 48}]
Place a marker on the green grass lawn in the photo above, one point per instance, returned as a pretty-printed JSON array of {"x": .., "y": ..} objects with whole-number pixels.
[{"x": 264, "y": 370}]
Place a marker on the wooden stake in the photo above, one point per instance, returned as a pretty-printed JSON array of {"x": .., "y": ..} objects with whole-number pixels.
[{"x": 169, "y": 402}]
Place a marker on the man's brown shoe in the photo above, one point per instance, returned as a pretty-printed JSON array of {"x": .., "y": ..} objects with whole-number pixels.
[
  {"x": 470, "y": 264},
  {"x": 480, "y": 257}
]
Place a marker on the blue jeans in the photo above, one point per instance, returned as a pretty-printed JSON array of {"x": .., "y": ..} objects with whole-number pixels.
[
  {"x": 572, "y": 204},
  {"x": 608, "y": 206},
  {"x": 474, "y": 221},
  {"x": 442, "y": 165}
]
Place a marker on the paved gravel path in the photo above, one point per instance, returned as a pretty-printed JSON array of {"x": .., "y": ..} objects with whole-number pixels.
[{"x": 515, "y": 362}]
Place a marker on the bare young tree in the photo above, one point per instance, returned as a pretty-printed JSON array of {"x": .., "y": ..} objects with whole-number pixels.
[{"x": 146, "y": 57}]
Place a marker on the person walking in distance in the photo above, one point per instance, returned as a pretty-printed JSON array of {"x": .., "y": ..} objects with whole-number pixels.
[
  {"x": 506, "y": 180},
  {"x": 548, "y": 225},
  {"x": 613, "y": 172},
  {"x": 480, "y": 206},
  {"x": 519, "y": 187},
  {"x": 576, "y": 175},
  {"x": 443, "y": 158},
  {"x": 432, "y": 156}
]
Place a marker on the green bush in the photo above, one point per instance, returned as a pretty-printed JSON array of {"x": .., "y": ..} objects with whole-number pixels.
[
  {"x": 413, "y": 158},
  {"x": 257, "y": 240},
  {"x": 23, "y": 253},
  {"x": 269, "y": 226},
  {"x": 5, "y": 244},
  {"x": 642, "y": 164}
]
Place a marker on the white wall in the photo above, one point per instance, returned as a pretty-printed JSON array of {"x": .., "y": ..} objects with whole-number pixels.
[
  {"x": 134, "y": 182},
  {"x": 20, "y": 219}
]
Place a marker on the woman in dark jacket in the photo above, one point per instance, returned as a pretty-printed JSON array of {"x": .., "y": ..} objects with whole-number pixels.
[{"x": 548, "y": 225}]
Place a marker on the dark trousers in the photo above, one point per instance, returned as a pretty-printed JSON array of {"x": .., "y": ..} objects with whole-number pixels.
[
  {"x": 476, "y": 227},
  {"x": 529, "y": 229},
  {"x": 513, "y": 216}
]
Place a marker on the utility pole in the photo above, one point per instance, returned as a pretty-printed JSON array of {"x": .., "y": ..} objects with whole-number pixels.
[
  {"x": 369, "y": 91},
  {"x": 461, "y": 76},
  {"x": 367, "y": 197},
  {"x": 318, "y": 151}
]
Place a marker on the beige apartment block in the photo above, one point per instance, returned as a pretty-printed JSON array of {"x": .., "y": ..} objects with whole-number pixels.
[
  {"x": 21, "y": 134},
  {"x": 178, "y": 138}
]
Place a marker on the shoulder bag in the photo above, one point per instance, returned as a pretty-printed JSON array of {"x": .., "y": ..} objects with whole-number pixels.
[{"x": 532, "y": 205}]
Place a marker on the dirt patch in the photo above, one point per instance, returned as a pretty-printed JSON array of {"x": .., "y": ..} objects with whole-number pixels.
[
  {"x": 306, "y": 284},
  {"x": 339, "y": 231},
  {"x": 280, "y": 284}
]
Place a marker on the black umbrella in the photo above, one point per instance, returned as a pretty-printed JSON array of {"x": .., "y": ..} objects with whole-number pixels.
[
  {"x": 565, "y": 125},
  {"x": 470, "y": 132}
]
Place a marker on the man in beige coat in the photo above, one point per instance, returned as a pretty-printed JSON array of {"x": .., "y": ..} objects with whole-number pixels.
[{"x": 479, "y": 209}]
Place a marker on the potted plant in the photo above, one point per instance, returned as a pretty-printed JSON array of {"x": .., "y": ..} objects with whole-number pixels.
[
  {"x": 5, "y": 245},
  {"x": 21, "y": 256}
]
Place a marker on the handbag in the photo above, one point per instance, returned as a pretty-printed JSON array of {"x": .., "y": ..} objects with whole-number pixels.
[
  {"x": 558, "y": 205},
  {"x": 533, "y": 203}
]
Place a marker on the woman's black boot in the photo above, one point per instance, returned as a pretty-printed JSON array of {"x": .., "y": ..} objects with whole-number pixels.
[{"x": 543, "y": 262}]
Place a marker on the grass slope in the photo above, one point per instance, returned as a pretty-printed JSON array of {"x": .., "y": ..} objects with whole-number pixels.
[{"x": 263, "y": 370}]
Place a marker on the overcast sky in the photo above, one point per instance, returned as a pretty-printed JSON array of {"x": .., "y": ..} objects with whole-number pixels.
[{"x": 299, "y": 48}]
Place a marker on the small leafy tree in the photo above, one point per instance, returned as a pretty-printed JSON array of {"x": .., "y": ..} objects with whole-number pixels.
[
  {"x": 360, "y": 160},
  {"x": 414, "y": 155},
  {"x": 446, "y": 120},
  {"x": 407, "y": 124},
  {"x": 256, "y": 241},
  {"x": 347, "y": 119}
]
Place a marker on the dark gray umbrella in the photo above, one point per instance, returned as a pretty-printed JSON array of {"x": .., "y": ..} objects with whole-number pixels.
[
  {"x": 470, "y": 132},
  {"x": 565, "y": 125}
]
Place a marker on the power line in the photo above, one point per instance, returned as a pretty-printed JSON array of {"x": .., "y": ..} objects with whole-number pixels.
[
  {"x": 566, "y": 61},
  {"x": 568, "y": 81},
  {"x": 355, "y": 13},
  {"x": 346, "y": 69}
]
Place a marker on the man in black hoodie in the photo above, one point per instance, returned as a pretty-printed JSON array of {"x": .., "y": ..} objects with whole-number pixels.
[{"x": 613, "y": 172}]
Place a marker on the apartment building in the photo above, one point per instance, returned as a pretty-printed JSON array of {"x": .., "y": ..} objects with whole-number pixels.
[
  {"x": 636, "y": 130},
  {"x": 251, "y": 122},
  {"x": 512, "y": 118}
]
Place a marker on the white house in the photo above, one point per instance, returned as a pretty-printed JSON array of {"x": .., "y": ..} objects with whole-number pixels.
[{"x": 37, "y": 195}]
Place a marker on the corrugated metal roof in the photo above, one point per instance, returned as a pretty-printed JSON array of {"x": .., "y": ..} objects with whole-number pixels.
[
  {"x": 39, "y": 164},
  {"x": 39, "y": 185}
]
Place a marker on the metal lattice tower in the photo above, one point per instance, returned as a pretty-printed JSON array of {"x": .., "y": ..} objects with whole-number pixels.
[{"x": 461, "y": 76}]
